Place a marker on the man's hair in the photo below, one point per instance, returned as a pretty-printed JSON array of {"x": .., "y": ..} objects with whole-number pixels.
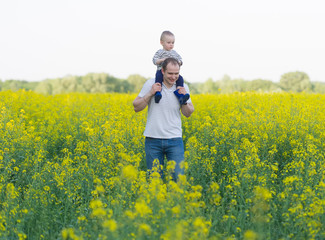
[
  {"x": 166, "y": 33},
  {"x": 172, "y": 61}
]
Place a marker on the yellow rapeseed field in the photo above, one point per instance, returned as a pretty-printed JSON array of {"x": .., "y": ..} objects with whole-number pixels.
[{"x": 72, "y": 167}]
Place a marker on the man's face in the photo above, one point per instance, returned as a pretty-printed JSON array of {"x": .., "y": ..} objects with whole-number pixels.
[{"x": 171, "y": 74}]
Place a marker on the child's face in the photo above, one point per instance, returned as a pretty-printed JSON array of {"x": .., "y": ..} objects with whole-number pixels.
[{"x": 168, "y": 43}]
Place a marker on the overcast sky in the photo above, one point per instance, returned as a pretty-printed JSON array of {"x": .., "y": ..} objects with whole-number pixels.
[{"x": 248, "y": 39}]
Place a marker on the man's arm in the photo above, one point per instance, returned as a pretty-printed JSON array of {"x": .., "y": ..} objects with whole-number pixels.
[
  {"x": 140, "y": 103},
  {"x": 187, "y": 109}
]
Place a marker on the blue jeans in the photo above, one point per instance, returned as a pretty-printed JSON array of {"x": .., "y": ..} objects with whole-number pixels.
[{"x": 172, "y": 148}]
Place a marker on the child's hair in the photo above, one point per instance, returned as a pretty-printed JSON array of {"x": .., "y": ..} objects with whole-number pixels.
[
  {"x": 166, "y": 33},
  {"x": 173, "y": 61}
]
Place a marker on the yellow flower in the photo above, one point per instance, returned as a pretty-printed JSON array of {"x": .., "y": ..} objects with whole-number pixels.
[
  {"x": 184, "y": 165},
  {"x": 11, "y": 191},
  {"x": 250, "y": 235},
  {"x": 22, "y": 236},
  {"x": 130, "y": 173},
  {"x": 98, "y": 190},
  {"x": 82, "y": 218},
  {"x": 289, "y": 180},
  {"x": 96, "y": 204},
  {"x": 24, "y": 211},
  {"x": 262, "y": 193},
  {"x": 176, "y": 210},
  {"x": 97, "y": 181},
  {"x": 225, "y": 217},
  {"x": 214, "y": 187},
  {"x": 145, "y": 228},
  {"x": 171, "y": 166},
  {"x": 110, "y": 224},
  {"x": 68, "y": 233},
  {"x": 98, "y": 212},
  {"x": 142, "y": 209},
  {"x": 131, "y": 215},
  {"x": 201, "y": 225}
]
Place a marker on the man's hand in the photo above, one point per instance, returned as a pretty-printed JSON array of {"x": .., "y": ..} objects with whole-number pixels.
[
  {"x": 181, "y": 90},
  {"x": 155, "y": 87},
  {"x": 140, "y": 103}
]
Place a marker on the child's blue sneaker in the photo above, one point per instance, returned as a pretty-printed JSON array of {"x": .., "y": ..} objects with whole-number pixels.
[
  {"x": 184, "y": 98},
  {"x": 181, "y": 97},
  {"x": 157, "y": 96}
]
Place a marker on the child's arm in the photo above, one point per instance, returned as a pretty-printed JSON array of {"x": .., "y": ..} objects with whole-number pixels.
[
  {"x": 159, "y": 61},
  {"x": 178, "y": 57},
  {"x": 157, "y": 58}
]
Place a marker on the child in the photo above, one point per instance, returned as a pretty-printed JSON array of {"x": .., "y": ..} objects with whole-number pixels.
[{"x": 167, "y": 40}]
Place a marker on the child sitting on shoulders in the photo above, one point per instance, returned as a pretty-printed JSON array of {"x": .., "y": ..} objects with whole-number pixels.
[{"x": 167, "y": 40}]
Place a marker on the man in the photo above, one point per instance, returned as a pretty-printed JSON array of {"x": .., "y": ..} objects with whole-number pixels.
[{"x": 163, "y": 130}]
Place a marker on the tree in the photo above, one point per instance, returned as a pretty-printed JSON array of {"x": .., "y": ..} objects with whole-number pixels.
[
  {"x": 226, "y": 85},
  {"x": 318, "y": 87},
  {"x": 136, "y": 81},
  {"x": 209, "y": 86},
  {"x": 295, "y": 82},
  {"x": 15, "y": 85},
  {"x": 262, "y": 85},
  {"x": 44, "y": 87}
]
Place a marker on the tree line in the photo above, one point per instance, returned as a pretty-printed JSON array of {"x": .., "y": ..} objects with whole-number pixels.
[{"x": 103, "y": 83}]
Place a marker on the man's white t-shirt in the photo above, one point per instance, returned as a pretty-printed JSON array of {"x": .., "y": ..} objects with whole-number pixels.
[{"x": 164, "y": 118}]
